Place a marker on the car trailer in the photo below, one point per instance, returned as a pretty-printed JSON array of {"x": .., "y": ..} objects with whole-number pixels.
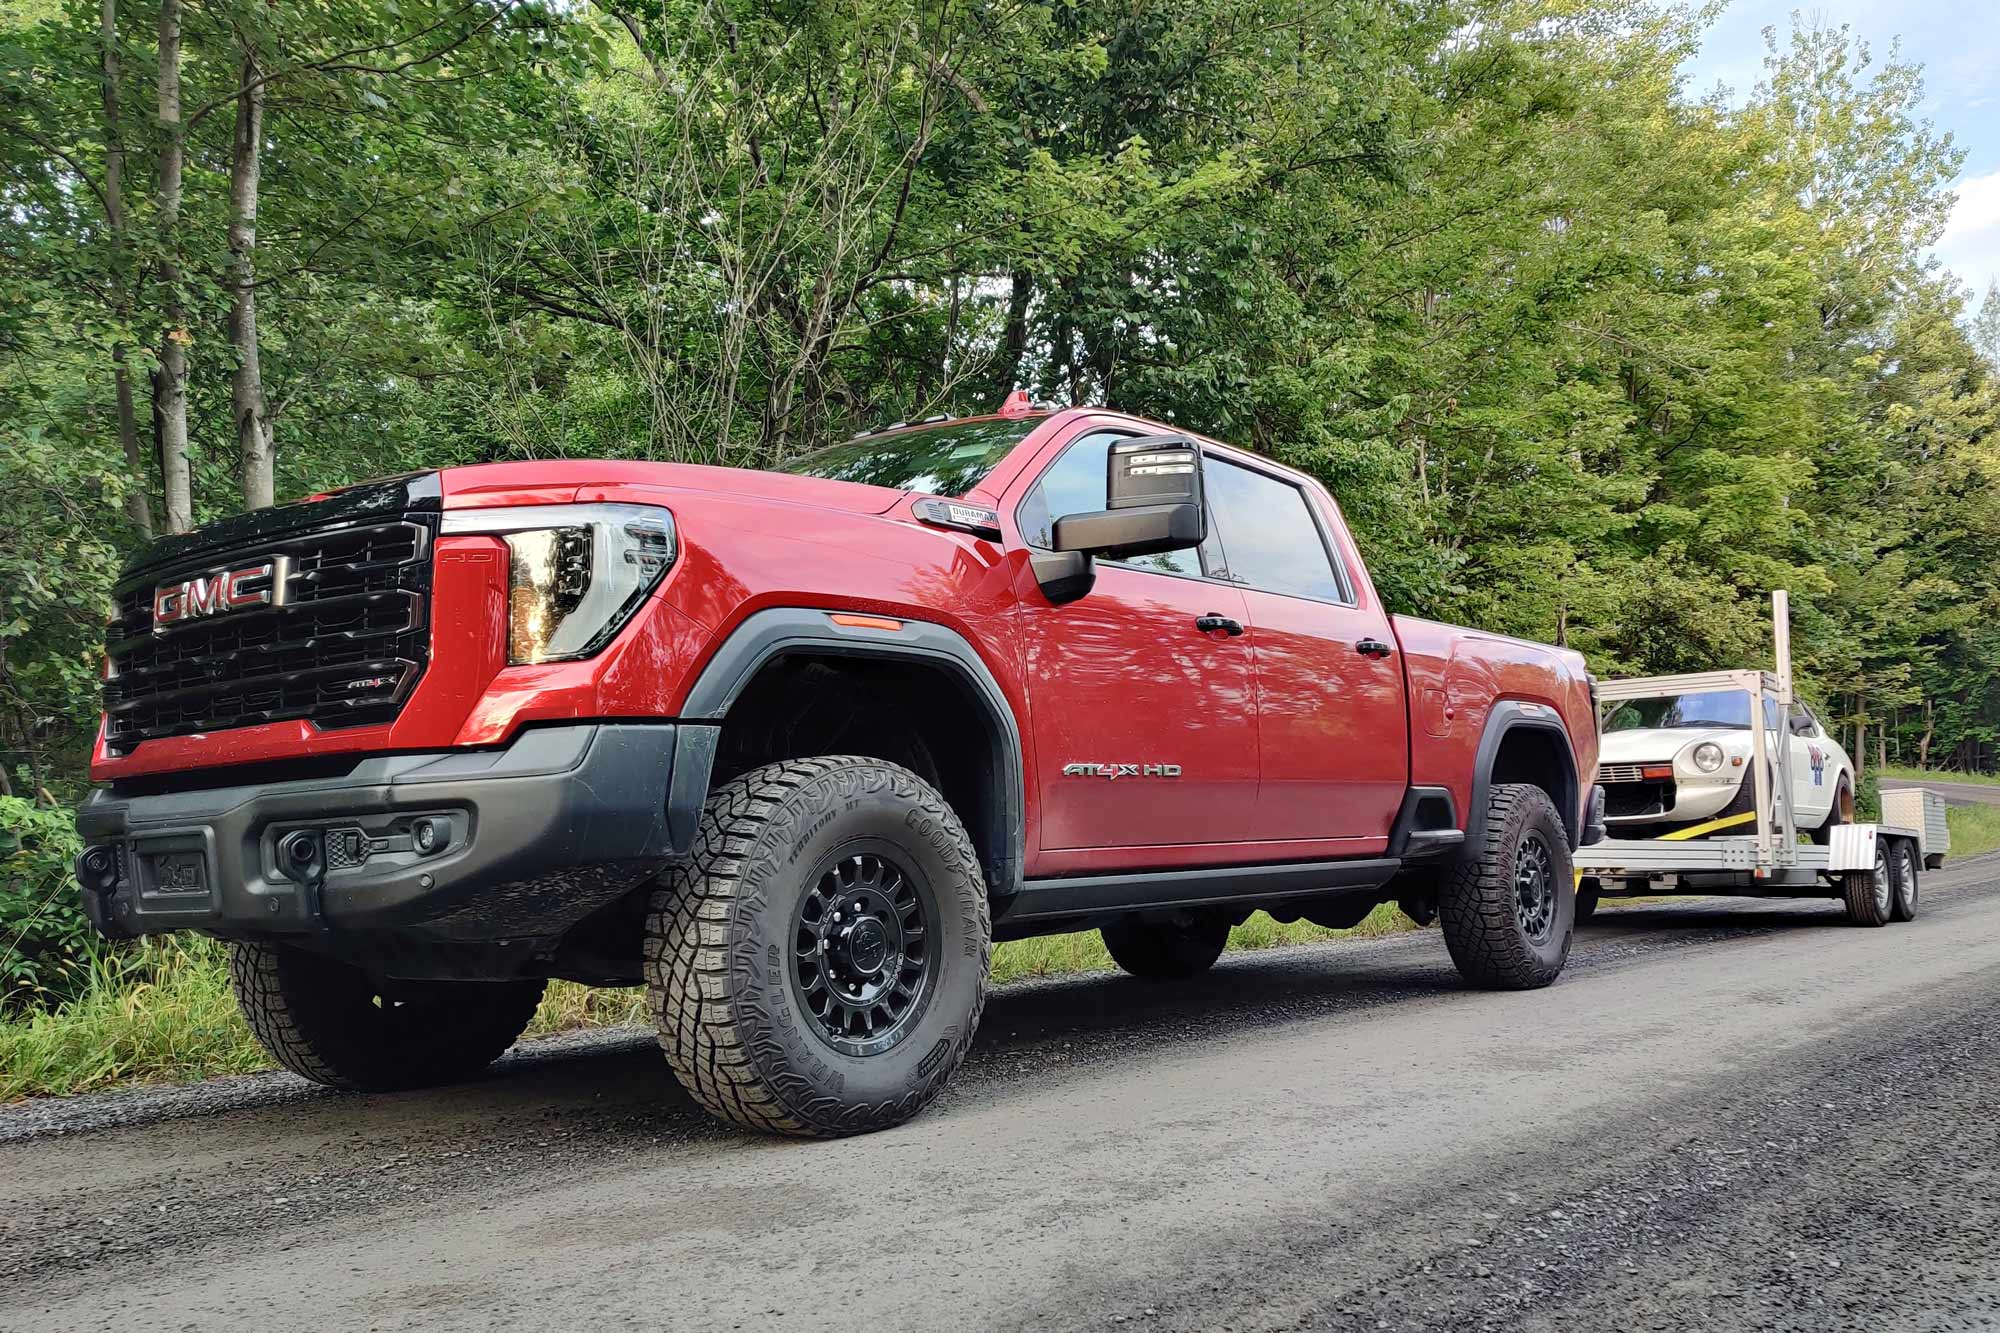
[{"x": 1872, "y": 868}]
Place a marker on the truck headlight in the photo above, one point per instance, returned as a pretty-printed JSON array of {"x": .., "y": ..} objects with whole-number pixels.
[
  {"x": 575, "y": 573},
  {"x": 1707, "y": 756}
]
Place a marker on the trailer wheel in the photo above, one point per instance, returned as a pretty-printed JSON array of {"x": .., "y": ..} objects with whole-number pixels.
[
  {"x": 1167, "y": 950},
  {"x": 1870, "y": 894},
  {"x": 1509, "y": 908},
  {"x": 1903, "y": 861}
]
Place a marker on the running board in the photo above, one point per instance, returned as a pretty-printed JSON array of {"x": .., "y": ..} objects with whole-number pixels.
[{"x": 1092, "y": 895}]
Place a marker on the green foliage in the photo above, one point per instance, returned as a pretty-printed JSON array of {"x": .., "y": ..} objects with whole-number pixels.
[
  {"x": 1582, "y": 357},
  {"x": 47, "y": 948}
]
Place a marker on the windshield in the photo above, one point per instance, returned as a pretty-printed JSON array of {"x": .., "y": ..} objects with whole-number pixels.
[
  {"x": 946, "y": 459},
  {"x": 1711, "y": 708}
]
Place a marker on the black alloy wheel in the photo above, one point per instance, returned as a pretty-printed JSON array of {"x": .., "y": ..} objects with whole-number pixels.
[
  {"x": 1535, "y": 887},
  {"x": 864, "y": 948}
]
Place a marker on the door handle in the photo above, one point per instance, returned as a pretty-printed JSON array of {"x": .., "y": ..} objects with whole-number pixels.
[
  {"x": 1211, "y": 622},
  {"x": 1373, "y": 648}
]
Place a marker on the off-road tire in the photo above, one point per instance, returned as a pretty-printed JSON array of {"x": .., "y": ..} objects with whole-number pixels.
[
  {"x": 1588, "y": 895},
  {"x": 1903, "y": 869},
  {"x": 1165, "y": 950},
  {"x": 1870, "y": 895},
  {"x": 720, "y": 936},
  {"x": 334, "y": 1024},
  {"x": 1478, "y": 904}
]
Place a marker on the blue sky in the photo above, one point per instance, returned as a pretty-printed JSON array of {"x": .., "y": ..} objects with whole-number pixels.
[{"x": 1958, "y": 45}]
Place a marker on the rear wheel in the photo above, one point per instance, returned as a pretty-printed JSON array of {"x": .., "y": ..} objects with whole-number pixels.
[
  {"x": 1167, "y": 949},
  {"x": 1903, "y": 864},
  {"x": 817, "y": 964},
  {"x": 1841, "y": 811},
  {"x": 1870, "y": 894},
  {"x": 1509, "y": 909},
  {"x": 333, "y": 1023}
]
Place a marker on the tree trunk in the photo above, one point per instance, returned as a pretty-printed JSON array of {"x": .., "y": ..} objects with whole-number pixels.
[
  {"x": 1860, "y": 733},
  {"x": 253, "y": 424},
  {"x": 138, "y": 501},
  {"x": 170, "y": 383},
  {"x": 1924, "y": 741}
]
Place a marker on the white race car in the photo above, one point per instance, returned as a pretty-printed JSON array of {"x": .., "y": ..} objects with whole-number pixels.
[{"x": 1670, "y": 763}]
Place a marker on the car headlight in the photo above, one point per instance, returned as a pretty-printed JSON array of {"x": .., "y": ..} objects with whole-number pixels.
[
  {"x": 575, "y": 573},
  {"x": 1707, "y": 756}
]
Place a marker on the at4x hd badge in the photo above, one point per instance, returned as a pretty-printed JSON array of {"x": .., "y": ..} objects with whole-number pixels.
[{"x": 1116, "y": 771}]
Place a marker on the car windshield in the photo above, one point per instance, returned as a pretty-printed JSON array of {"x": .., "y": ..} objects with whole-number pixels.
[
  {"x": 947, "y": 459},
  {"x": 1710, "y": 708}
]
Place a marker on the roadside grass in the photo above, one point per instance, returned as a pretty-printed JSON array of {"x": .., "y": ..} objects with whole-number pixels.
[
  {"x": 1974, "y": 829},
  {"x": 162, "y": 1011},
  {"x": 1938, "y": 775},
  {"x": 1060, "y": 955}
]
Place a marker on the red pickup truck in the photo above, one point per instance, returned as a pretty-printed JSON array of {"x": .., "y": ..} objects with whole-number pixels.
[{"x": 792, "y": 749}]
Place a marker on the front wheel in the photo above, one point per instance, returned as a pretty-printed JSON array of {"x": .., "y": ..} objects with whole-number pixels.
[
  {"x": 1166, "y": 950},
  {"x": 818, "y": 964},
  {"x": 335, "y": 1024},
  {"x": 1509, "y": 908}
]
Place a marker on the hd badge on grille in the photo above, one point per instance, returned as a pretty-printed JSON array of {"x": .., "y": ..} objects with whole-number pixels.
[{"x": 220, "y": 592}]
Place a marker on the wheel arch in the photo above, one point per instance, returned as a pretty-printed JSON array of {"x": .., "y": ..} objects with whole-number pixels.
[
  {"x": 1525, "y": 742},
  {"x": 983, "y": 781}
]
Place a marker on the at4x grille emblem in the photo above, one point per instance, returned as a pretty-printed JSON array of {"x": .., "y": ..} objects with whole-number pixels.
[
  {"x": 223, "y": 591},
  {"x": 1116, "y": 771}
]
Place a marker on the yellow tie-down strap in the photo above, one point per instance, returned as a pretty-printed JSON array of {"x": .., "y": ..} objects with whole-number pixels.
[{"x": 1696, "y": 830}]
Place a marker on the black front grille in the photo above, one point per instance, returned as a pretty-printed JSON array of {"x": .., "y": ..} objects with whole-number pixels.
[{"x": 342, "y": 645}]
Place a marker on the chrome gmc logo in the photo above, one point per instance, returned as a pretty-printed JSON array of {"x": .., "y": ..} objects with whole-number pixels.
[{"x": 226, "y": 590}]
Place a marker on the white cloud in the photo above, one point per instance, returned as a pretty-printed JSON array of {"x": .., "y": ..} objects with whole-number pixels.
[{"x": 1970, "y": 246}]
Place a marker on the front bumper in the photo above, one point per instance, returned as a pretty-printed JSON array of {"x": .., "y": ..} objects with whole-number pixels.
[
  {"x": 1676, "y": 802},
  {"x": 525, "y": 842}
]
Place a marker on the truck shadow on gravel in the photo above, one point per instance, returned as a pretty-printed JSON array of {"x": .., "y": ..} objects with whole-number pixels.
[
  {"x": 1714, "y": 916},
  {"x": 618, "y": 1077}
]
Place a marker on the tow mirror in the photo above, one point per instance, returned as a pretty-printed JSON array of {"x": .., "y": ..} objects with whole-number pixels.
[{"x": 1153, "y": 502}]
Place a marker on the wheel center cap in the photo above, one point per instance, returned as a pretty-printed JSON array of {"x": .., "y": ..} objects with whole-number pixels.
[{"x": 867, "y": 946}]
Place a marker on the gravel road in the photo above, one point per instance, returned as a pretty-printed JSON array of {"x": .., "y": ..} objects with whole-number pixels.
[
  {"x": 1954, "y": 793},
  {"x": 1725, "y": 1116}
]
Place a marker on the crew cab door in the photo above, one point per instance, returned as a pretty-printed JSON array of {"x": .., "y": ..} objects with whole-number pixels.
[
  {"x": 1144, "y": 723},
  {"x": 1331, "y": 717}
]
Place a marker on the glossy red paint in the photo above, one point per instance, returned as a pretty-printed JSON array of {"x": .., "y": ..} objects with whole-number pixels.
[
  {"x": 1460, "y": 674},
  {"x": 1289, "y": 745}
]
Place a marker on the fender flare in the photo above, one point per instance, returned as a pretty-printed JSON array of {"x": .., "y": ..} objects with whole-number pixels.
[
  {"x": 1507, "y": 717},
  {"x": 795, "y": 631}
]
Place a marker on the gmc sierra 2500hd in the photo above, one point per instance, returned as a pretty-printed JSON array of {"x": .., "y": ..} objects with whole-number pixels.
[{"x": 792, "y": 749}]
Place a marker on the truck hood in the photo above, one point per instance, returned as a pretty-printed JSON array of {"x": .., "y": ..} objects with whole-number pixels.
[
  {"x": 494, "y": 483},
  {"x": 1658, "y": 745}
]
